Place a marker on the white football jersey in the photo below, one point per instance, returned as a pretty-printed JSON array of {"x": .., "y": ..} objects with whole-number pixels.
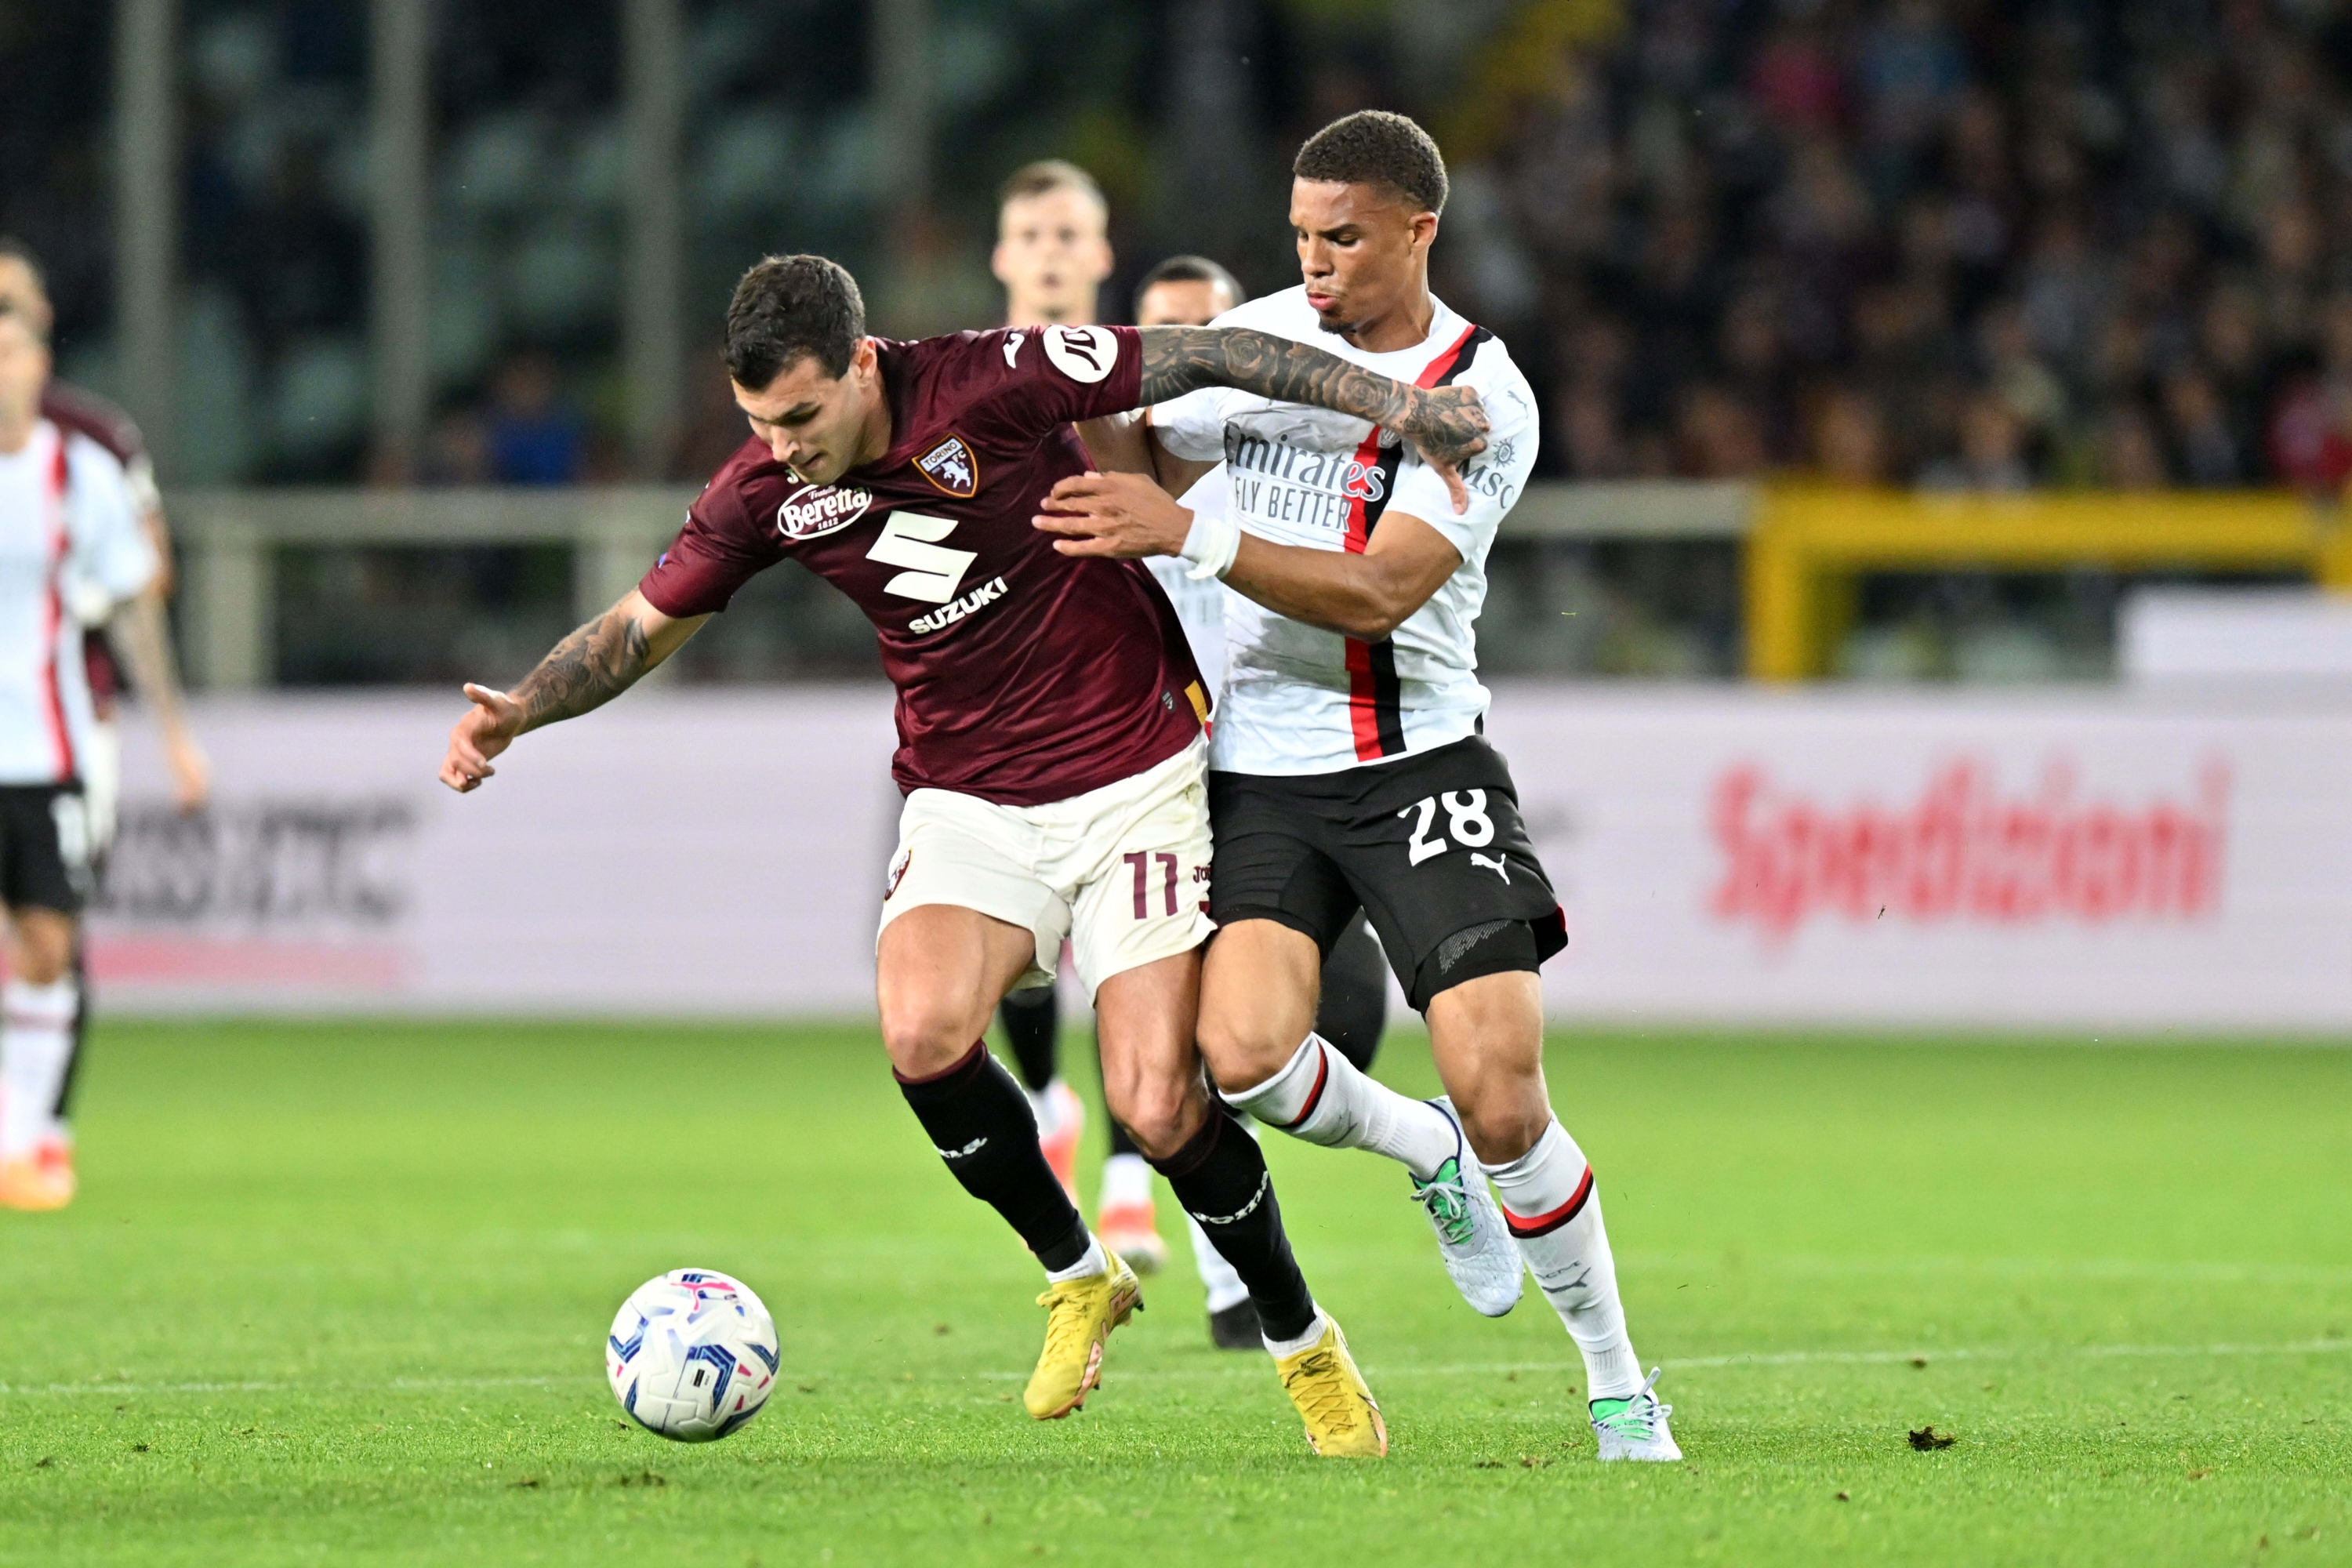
[
  {"x": 1299, "y": 700},
  {"x": 70, "y": 540},
  {"x": 1200, "y": 601}
]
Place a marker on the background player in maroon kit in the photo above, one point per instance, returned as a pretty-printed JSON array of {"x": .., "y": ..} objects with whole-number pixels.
[{"x": 1049, "y": 723}]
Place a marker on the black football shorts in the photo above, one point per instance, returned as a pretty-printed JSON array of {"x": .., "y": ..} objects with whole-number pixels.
[
  {"x": 1430, "y": 847},
  {"x": 44, "y": 848}
]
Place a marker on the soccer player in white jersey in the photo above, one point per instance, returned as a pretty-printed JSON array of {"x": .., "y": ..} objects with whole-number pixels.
[
  {"x": 1193, "y": 291},
  {"x": 1348, "y": 766},
  {"x": 69, "y": 536}
]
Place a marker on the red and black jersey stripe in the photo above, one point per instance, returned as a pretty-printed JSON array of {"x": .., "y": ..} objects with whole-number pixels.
[{"x": 1375, "y": 699}]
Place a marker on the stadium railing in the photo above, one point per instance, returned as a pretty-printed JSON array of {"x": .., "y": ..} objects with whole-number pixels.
[
  {"x": 1804, "y": 547},
  {"x": 1807, "y": 547}
]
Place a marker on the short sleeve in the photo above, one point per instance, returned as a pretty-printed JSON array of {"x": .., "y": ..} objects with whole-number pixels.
[
  {"x": 1023, "y": 383},
  {"x": 112, "y": 550},
  {"x": 714, "y": 554},
  {"x": 1194, "y": 426},
  {"x": 1496, "y": 477}
]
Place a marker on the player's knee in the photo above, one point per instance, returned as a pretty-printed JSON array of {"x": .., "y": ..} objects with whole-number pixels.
[
  {"x": 43, "y": 950},
  {"x": 1502, "y": 1119},
  {"x": 1242, "y": 1053},
  {"x": 923, "y": 1037}
]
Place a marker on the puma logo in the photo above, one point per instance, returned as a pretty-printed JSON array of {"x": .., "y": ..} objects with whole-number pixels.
[{"x": 1492, "y": 864}]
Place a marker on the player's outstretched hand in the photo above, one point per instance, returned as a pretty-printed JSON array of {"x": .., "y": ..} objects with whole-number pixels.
[
  {"x": 1447, "y": 426},
  {"x": 489, "y": 728},
  {"x": 192, "y": 773},
  {"x": 1124, "y": 516}
]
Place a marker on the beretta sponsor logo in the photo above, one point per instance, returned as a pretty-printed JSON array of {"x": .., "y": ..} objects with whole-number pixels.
[
  {"x": 821, "y": 508},
  {"x": 952, "y": 467}
]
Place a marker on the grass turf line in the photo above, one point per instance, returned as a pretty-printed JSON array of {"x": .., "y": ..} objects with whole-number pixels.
[{"x": 336, "y": 1291}]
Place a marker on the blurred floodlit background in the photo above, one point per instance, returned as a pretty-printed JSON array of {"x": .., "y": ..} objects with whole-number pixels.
[{"x": 1953, "y": 246}]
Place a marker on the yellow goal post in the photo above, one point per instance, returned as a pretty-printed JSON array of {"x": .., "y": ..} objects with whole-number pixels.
[{"x": 1808, "y": 545}]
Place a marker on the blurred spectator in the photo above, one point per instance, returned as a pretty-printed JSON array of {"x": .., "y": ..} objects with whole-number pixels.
[
  {"x": 1849, "y": 439},
  {"x": 456, "y": 451},
  {"x": 1990, "y": 456},
  {"x": 2129, "y": 456},
  {"x": 534, "y": 437}
]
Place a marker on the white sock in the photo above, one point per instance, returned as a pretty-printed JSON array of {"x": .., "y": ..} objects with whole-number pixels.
[
  {"x": 1093, "y": 1263},
  {"x": 1554, "y": 1214},
  {"x": 35, "y": 1049},
  {"x": 1126, "y": 1180},
  {"x": 1217, "y": 1277},
  {"x": 1280, "y": 1348},
  {"x": 1043, "y": 1107},
  {"x": 1322, "y": 1097}
]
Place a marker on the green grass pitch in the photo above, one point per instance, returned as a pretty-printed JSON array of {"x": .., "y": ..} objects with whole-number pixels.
[{"x": 335, "y": 1293}]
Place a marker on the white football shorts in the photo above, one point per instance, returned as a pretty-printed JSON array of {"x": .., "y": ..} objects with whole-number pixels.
[{"x": 1122, "y": 872}]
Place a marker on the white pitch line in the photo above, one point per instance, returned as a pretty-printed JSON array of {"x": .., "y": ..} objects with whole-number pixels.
[{"x": 1465, "y": 1369}]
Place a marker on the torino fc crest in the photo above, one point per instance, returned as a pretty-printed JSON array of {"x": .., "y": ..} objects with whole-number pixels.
[{"x": 950, "y": 466}]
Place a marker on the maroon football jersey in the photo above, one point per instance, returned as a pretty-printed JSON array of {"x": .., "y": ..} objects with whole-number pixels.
[{"x": 1024, "y": 675}]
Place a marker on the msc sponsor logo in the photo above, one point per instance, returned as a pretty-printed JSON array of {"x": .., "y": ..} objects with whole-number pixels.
[
  {"x": 821, "y": 508},
  {"x": 945, "y": 615},
  {"x": 952, "y": 468}
]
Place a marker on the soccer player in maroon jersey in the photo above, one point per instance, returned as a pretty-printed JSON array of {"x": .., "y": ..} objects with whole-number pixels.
[{"x": 1049, "y": 721}]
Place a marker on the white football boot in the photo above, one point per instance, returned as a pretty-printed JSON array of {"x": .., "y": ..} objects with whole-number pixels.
[
  {"x": 1635, "y": 1429},
  {"x": 1480, "y": 1255}
]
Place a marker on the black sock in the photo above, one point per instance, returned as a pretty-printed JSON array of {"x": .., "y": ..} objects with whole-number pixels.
[
  {"x": 1032, "y": 1021},
  {"x": 1220, "y": 1179},
  {"x": 1355, "y": 1005},
  {"x": 979, "y": 1121}
]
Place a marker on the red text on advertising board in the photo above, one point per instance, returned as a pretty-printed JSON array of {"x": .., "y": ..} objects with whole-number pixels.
[{"x": 1965, "y": 850}]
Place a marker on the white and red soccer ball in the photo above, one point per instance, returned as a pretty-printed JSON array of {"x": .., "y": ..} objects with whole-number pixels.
[{"x": 692, "y": 1355}]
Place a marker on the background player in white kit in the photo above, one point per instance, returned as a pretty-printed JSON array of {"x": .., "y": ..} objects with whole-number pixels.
[
  {"x": 69, "y": 535},
  {"x": 1348, "y": 763}
]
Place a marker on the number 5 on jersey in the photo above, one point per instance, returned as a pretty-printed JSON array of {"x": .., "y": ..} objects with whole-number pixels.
[{"x": 910, "y": 540}]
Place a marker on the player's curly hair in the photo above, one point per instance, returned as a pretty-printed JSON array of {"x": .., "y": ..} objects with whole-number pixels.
[
  {"x": 788, "y": 308},
  {"x": 1373, "y": 147}
]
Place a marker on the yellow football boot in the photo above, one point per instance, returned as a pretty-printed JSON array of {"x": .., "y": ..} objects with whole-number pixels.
[
  {"x": 1342, "y": 1420},
  {"x": 1081, "y": 1313},
  {"x": 41, "y": 1178}
]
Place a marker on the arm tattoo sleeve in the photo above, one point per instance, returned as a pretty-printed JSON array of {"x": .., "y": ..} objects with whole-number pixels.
[
  {"x": 1177, "y": 360},
  {"x": 586, "y": 671}
]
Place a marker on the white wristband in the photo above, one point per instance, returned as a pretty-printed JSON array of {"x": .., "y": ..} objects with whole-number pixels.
[{"x": 1211, "y": 544}]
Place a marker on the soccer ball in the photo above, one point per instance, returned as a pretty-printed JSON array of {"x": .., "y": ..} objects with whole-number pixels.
[{"x": 692, "y": 1355}]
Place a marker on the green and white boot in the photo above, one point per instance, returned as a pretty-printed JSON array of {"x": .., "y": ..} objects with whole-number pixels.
[
  {"x": 1635, "y": 1429},
  {"x": 1480, "y": 1256}
]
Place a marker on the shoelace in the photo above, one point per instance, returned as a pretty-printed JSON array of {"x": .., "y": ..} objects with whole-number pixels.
[
  {"x": 1448, "y": 1205},
  {"x": 1639, "y": 1420},
  {"x": 1327, "y": 1396},
  {"x": 1066, "y": 1326}
]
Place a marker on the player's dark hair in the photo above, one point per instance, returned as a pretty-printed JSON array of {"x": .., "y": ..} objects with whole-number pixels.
[
  {"x": 790, "y": 308},
  {"x": 1373, "y": 147},
  {"x": 1050, "y": 174},
  {"x": 1189, "y": 269}
]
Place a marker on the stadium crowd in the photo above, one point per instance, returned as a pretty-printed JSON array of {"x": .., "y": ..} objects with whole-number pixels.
[{"x": 1953, "y": 245}]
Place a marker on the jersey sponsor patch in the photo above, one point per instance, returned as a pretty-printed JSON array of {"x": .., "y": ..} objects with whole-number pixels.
[
  {"x": 821, "y": 510},
  {"x": 1084, "y": 355},
  {"x": 952, "y": 467}
]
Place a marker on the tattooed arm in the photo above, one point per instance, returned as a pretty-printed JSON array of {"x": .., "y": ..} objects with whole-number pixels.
[
  {"x": 586, "y": 671},
  {"x": 1447, "y": 424}
]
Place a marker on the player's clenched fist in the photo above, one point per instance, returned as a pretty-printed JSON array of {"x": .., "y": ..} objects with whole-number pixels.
[{"x": 487, "y": 728}]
